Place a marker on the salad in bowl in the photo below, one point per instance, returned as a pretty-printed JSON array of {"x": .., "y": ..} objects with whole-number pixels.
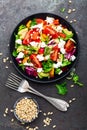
[{"x": 44, "y": 47}]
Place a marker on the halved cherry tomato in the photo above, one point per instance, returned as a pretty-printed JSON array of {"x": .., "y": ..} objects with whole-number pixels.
[
  {"x": 39, "y": 21},
  {"x": 41, "y": 51},
  {"x": 54, "y": 55},
  {"x": 49, "y": 30},
  {"x": 35, "y": 61},
  {"x": 62, "y": 35},
  {"x": 56, "y": 48},
  {"x": 69, "y": 46},
  {"x": 56, "y": 22},
  {"x": 32, "y": 35}
]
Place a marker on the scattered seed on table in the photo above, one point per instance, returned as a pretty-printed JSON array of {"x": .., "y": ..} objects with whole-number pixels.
[
  {"x": 10, "y": 61},
  {"x": 44, "y": 114},
  {"x": 11, "y": 110},
  {"x": 70, "y": 1},
  {"x": 27, "y": 127},
  {"x": 74, "y": 20},
  {"x": 6, "y": 67},
  {"x": 70, "y": 101},
  {"x": 50, "y": 113},
  {"x": 12, "y": 120},
  {"x": 4, "y": 115},
  {"x": 73, "y": 99},
  {"x": 73, "y": 10},
  {"x": 1, "y": 54},
  {"x": 7, "y": 58},
  {"x": 66, "y": 17},
  {"x": 69, "y": 11},
  {"x": 72, "y": 85},
  {"x": 71, "y": 21},
  {"x": 54, "y": 126},
  {"x": 6, "y": 110},
  {"x": 4, "y": 60}
]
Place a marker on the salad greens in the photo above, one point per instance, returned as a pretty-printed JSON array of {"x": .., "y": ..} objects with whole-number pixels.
[
  {"x": 47, "y": 65},
  {"x": 62, "y": 89}
]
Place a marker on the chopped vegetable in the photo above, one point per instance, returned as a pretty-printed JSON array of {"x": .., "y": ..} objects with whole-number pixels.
[{"x": 61, "y": 88}]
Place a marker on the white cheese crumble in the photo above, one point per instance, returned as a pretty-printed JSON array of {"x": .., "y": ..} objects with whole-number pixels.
[
  {"x": 40, "y": 57},
  {"x": 72, "y": 58},
  {"x": 62, "y": 50},
  {"x": 40, "y": 26},
  {"x": 43, "y": 44},
  {"x": 20, "y": 55},
  {"x": 46, "y": 57},
  {"x": 57, "y": 65},
  {"x": 39, "y": 70},
  {"x": 59, "y": 28},
  {"x": 49, "y": 20},
  {"x": 61, "y": 43},
  {"x": 18, "y": 41},
  {"x": 28, "y": 64},
  {"x": 34, "y": 44}
]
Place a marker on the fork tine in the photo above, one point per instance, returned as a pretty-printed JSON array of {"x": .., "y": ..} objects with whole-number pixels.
[
  {"x": 12, "y": 87},
  {"x": 16, "y": 76},
  {"x": 12, "y": 83}
]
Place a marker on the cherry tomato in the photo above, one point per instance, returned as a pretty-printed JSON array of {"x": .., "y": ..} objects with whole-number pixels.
[
  {"x": 35, "y": 61},
  {"x": 54, "y": 55},
  {"x": 69, "y": 46}
]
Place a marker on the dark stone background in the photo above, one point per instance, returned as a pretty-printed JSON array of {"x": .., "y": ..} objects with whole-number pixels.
[{"x": 11, "y": 13}]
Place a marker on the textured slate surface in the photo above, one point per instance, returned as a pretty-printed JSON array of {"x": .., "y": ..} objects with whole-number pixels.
[{"x": 11, "y": 13}]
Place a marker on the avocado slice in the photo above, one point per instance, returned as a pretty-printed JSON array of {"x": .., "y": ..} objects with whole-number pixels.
[
  {"x": 68, "y": 33},
  {"x": 43, "y": 75}
]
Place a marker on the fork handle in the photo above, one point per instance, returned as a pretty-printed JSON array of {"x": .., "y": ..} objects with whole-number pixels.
[{"x": 58, "y": 103}]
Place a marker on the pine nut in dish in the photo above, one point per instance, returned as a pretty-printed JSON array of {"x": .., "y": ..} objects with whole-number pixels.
[{"x": 26, "y": 109}]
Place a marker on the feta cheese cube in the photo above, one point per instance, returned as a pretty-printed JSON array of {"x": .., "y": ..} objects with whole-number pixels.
[
  {"x": 40, "y": 57},
  {"x": 20, "y": 55},
  {"x": 49, "y": 19},
  {"x": 34, "y": 44},
  {"x": 72, "y": 58},
  {"x": 39, "y": 70},
  {"x": 18, "y": 41}
]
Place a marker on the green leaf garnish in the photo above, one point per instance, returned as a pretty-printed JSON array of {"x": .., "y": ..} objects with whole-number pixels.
[
  {"x": 62, "y": 89},
  {"x": 62, "y": 10}
]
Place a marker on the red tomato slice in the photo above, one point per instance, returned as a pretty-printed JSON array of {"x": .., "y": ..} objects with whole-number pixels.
[
  {"x": 56, "y": 22},
  {"x": 49, "y": 30},
  {"x": 41, "y": 51},
  {"x": 35, "y": 60},
  {"x": 62, "y": 35},
  {"x": 69, "y": 46},
  {"x": 54, "y": 55},
  {"x": 39, "y": 21}
]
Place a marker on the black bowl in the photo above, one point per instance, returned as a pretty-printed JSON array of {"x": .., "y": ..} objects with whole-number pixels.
[{"x": 12, "y": 46}]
